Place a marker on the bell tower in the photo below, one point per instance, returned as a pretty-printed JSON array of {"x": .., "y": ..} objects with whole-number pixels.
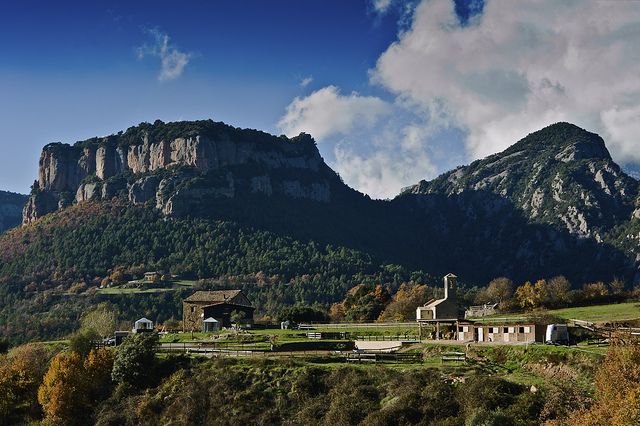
[{"x": 450, "y": 286}]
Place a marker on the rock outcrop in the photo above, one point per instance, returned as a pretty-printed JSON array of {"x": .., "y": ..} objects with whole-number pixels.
[
  {"x": 11, "y": 206},
  {"x": 170, "y": 163}
]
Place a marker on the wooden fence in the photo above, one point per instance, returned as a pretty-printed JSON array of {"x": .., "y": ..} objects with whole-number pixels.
[{"x": 453, "y": 357}]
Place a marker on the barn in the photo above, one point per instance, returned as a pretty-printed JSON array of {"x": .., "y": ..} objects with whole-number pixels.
[{"x": 220, "y": 305}]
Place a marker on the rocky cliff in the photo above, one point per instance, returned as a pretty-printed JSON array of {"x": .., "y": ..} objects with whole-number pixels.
[
  {"x": 177, "y": 165},
  {"x": 561, "y": 175},
  {"x": 11, "y": 206}
]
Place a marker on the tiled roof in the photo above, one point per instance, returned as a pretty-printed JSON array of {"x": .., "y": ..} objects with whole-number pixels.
[{"x": 216, "y": 296}]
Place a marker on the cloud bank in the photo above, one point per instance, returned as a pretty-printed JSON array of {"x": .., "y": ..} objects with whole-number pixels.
[
  {"x": 520, "y": 66},
  {"x": 326, "y": 112},
  {"x": 482, "y": 85},
  {"x": 172, "y": 60}
]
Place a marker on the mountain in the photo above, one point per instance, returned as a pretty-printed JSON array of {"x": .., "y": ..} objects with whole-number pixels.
[
  {"x": 554, "y": 201},
  {"x": 11, "y": 205},
  {"x": 266, "y": 214},
  {"x": 177, "y": 165},
  {"x": 561, "y": 175}
]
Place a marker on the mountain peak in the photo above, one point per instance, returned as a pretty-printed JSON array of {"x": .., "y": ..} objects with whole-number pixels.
[
  {"x": 561, "y": 175},
  {"x": 565, "y": 142}
]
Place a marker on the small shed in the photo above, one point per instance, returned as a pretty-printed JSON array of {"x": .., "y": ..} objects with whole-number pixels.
[
  {"x": 143, "y": 325},
  {"x": 210, "y": 324}
]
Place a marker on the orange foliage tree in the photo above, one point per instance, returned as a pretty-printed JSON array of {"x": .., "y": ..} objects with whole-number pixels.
[
  {"x": 617, "y": 389},
  {"x": 72, "y": 387}
]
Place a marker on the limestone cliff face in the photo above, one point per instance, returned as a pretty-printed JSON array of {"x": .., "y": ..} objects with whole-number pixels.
[{"x": 162, "y": 161}]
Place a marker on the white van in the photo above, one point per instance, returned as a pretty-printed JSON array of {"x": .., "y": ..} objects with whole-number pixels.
[{"x": 557, "y": 334}]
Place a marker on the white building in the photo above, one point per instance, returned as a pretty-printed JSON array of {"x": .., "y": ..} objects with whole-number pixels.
[{"x": 143, "y": 325}]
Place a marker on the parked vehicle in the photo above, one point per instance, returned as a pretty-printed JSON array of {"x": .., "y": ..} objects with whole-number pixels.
[{"x": 557, "y": 334}]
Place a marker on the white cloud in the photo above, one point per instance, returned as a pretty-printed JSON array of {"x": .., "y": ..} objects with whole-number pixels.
[
  {"x": 381, "y": 6},
  {"x": 172, "y": 60},
  {"x": 326, "y": 112},
  {"x": 378, "y": 147},
  {"x": 306, "y": 81},
  {"x": 520, "y": 66},
  {"x": 464, "y": 92},
  {"x": 384, "y": 170}
]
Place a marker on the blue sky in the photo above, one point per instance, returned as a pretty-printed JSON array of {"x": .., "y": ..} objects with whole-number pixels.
[
  {"x": 70, "y": 69},
  {"x": 394, "y": 91}
]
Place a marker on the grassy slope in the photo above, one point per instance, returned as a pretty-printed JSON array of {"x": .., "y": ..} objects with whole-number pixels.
[
  {"x": 601, "y": 313},
  {"x": 598, "y": 313}
]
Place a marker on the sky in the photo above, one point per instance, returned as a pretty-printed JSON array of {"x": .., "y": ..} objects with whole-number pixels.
[{"x": 393, "y": 91}]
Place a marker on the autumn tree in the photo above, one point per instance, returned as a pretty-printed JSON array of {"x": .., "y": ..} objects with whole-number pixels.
[
  {"x": 366, "y": 302},
  {"x": 541, "y": 293},
  {"x": 98, "y": 366},
  {"x": 617, "y": 286},
  {"x": 102, "y": 319},
  {"x": 336, "y": 312},
  {"x": 559, "y": 288},
  {"x": 595, "y": 291},
  {"x": 72, "y": 387},
  {"x": 63, "y": 393},
  {"x": 617, "y": 388},
  {"x": 404, "y": 303},
  {"x": 21, "y": 374},
  {"x": 499, "y": 290},
  {"x": 526, "y": 296}
]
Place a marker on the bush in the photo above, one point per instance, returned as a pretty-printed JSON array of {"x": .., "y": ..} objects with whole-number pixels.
[
  {"x": 303, "y": 313},
  {"x": 83, "y": 341},
  {"x": 135, "y": 360}
]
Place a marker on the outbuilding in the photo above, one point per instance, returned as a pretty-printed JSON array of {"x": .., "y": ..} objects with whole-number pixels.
[
  {"x": 210, "y": 325},
  {"x": 143, "y": 325},
  {"x": 502, "y": 333}
]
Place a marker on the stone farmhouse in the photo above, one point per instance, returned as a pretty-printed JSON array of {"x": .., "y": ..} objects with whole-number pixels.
[{"x": 219, "y": 305}]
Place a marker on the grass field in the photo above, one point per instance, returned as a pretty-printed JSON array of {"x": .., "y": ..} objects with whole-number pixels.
[
  {"x": 599, "y": 313},
  {"x": 170, "y": 286},
  {"x": 602, "y": 313}
]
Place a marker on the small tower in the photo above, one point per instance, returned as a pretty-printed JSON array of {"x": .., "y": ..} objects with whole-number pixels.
[{"x": 450, "y": 287}]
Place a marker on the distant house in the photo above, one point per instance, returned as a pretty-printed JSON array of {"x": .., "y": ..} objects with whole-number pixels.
[
  {"x": 441, "y": 309},
  {"x": 219, "y": 305},
  {"x": 152, "y": 276},
  {"x": 481, "y": 310},
  {"x": 143, "y": 325}
]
